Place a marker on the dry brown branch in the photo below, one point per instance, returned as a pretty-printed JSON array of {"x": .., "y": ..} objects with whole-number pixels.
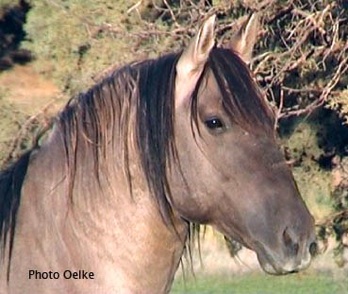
[{"x": 324, "y": 95}]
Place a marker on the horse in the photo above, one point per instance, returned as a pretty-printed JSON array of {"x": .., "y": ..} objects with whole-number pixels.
[{"x": 104, "y": 203}]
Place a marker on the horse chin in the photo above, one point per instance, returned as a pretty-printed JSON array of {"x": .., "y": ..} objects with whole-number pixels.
[
  {"x": 266, "y": 261},
  {"x": 269, "y": 268},
  {"x": 273, "y": 267}
]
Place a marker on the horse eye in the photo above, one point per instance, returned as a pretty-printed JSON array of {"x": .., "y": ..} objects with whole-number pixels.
[{"x": 214, "y": 123}]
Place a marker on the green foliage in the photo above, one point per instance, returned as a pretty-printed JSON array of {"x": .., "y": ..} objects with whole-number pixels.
[
  {"x": 313, "y": 181},
  {"x": 339, "y": 103},
  {"x": 4, "y": 3},
  {"x": 73, "y": 40},
  {"x": 10, "y": 123},
  {"x": 76, "y": 41}
]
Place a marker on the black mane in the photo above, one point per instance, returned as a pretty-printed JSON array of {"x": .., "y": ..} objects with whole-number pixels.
[
  {"x": 147, "y": 86},
  {"x": 11, "y": 181}
]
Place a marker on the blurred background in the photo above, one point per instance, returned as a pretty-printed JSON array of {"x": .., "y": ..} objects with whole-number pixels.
[{"x": 50, "y": 50}]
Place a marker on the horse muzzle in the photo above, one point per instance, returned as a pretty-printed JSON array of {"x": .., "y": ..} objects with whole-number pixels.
[{"x": 292, "y": 257}]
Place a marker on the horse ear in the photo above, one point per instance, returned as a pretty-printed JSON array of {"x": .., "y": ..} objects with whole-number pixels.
[
  {"x": 243, "y": 41},
  {"x": 191, "y": 63}
]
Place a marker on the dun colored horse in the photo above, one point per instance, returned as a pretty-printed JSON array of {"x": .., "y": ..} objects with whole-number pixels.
[{"x": 105, "y": 202}]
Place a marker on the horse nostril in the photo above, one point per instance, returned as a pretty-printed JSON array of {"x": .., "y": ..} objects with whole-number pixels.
[
  {"x": 313, "y": 249},
  {"x": 289, "y": 242}
]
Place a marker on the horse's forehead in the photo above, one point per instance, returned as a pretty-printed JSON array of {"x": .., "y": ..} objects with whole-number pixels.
[
  {"x": 209, "y": 93},
  {"x": 211, "y": 82}
]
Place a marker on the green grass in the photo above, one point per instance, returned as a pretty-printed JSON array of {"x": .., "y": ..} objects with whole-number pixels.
[{"x": 264, "y": 284}]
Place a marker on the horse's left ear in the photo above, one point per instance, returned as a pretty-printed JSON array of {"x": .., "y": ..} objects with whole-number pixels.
[
  {"x": 243, "y": 41},
  {"x": 192, "y": 61}
]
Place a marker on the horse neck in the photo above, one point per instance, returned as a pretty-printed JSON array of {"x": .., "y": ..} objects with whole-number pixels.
[{"x": 104, "y": 228}]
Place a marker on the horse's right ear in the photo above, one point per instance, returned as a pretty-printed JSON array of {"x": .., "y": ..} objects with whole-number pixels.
[
  {"x": 243, "y": 41},
  {"x": 191, "y": 63}
]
